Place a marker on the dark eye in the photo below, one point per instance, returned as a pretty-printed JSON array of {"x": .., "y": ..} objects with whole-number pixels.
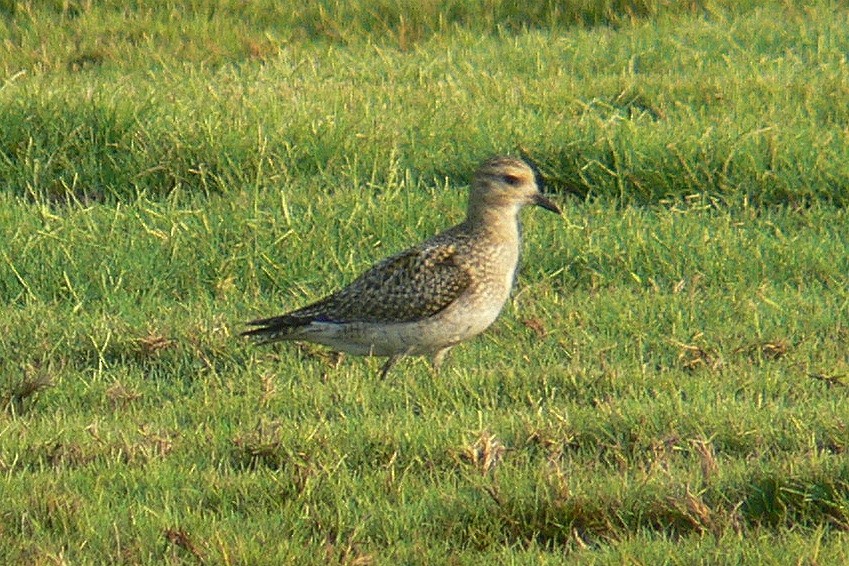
[{"x": 511, "y": 180}]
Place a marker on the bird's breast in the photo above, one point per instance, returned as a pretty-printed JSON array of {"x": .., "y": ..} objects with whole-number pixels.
[{"x": 494, "y": 271}]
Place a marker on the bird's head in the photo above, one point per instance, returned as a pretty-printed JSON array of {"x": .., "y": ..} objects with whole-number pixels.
[{"x": 507, "y": 182}]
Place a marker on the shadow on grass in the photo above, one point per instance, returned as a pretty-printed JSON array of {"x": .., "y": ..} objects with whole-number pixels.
[{"x": 549, "y": 516}]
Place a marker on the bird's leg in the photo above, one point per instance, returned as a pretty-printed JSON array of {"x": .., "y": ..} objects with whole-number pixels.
[
  {"x": 336, "y": 359},
  {"x": 439, "y": 357},
  {"x": 388, "y": 365}
]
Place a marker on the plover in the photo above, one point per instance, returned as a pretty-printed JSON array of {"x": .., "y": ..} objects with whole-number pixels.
[{"x": 429, "y": 298}]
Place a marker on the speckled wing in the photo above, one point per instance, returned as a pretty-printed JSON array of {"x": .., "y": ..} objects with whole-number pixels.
[{"x": 406, "y": 287}]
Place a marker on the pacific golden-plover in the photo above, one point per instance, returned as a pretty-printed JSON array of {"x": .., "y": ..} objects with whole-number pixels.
[{"x": 427, "y": 299}]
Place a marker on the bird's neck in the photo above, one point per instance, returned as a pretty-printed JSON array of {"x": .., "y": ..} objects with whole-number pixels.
[{"x": 500, "y": 219}]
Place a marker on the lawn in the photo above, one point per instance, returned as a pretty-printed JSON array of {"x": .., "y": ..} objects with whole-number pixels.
[{"x": 667, "y": 385}]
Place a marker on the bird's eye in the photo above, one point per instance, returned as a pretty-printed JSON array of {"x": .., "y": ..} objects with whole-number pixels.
[{"x": 511, "y": 180}]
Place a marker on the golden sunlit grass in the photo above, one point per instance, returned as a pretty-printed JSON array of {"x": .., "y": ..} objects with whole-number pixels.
[{"x": 668, "y": 384}]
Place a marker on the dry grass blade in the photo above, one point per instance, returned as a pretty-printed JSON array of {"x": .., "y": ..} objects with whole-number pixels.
[
  {"x": 36, "y": 379},
  {"x": 485, "y": 453},
  {"x": 707, "y": 458},
  {"x": 153, "y": 344},
  {"x": 829, "y": 380},
  {"x": 694, "y": 510},
  {"x": 693, "y": 357},
  {"x": 180, "y": 538},
  {"x": 537, "y": 326},
  {"x": 348, "y": 553},
  {"x": 120, "y": 396},
  {"x": 771, "y": 350}
]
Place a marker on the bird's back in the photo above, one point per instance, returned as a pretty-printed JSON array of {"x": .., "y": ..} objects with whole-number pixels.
[{"x": 412, "y": 285}]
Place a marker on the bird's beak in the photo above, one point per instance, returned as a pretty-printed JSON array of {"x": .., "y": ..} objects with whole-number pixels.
[{"x": 544, "y": 202}]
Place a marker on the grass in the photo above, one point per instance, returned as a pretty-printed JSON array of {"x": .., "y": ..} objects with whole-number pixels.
[
  {"x": 723, "y": 105},
  {"x": 668, "y": 384}
]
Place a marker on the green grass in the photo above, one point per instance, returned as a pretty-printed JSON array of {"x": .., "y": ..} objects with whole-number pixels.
[
  {"x": 668, "y": 384},
  {"x": 731, "y": 106}
]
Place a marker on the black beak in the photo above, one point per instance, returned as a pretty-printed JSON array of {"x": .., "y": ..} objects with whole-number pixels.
[{"x": 544, "y": 202}]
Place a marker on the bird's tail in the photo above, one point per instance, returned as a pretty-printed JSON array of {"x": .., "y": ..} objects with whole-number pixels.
[{"x": 275, "y": 329}]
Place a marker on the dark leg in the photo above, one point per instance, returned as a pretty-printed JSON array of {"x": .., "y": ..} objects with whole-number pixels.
[{"x": 388, "y": 365}]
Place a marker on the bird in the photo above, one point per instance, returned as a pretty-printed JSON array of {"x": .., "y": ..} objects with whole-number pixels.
[{"x": 427, "y": 299}]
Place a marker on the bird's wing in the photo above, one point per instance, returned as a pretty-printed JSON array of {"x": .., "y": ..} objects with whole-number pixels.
[{"x": 410, "y": 286}]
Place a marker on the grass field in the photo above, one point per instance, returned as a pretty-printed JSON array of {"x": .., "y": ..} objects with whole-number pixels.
[{"x": 668, "y": 385}]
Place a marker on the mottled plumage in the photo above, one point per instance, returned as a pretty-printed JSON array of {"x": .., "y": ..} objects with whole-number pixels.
[
  {"x": 428, "y": 298},
  {"x": 409, "y": 286}
]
